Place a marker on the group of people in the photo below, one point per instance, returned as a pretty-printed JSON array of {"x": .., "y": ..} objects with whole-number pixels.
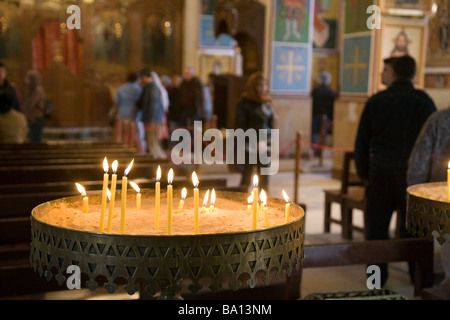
[
  {"x": 21, "y": 121},
  {"x": 155, "y": 105}
]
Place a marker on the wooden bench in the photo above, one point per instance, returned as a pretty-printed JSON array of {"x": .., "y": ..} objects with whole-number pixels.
[{"x": 419, "y": 251}]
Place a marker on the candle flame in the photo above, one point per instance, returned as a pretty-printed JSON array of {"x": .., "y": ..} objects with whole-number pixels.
[
  {"x": 115, "y": 164},
  {"x": 213, "y": 196},
  {"x": 205, "y": 199},
  {"x": 81, "y": 189},
  {"x": 108, "y": 193},
  {"x": 135, "y": 186},
  {"x": 170, "y": 176},
  {"x": 195, "y": 179},
  {"x": 255, "y": 181},
  {"x": 105, "y": 165},
  {"x": 263, "y": 197},
  {"x": 286, "y": 197},
  {"x": 158, "y": 173},
  {"x": 250, "y": 199},
  {"x": 449, "y": 164},
  {"x": 127, "y": 170},
  {"x": 183, "y": 193}
]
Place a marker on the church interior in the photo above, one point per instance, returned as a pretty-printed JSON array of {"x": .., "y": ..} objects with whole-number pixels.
[{"x": 84, "y": 51}]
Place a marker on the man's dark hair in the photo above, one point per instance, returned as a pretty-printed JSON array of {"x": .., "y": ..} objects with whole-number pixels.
[
  {"x": 2, "y": 65},
  {"x": 132, "y": 77},
  {"x": 146, "y": 72},
  {"x": 404, "y": 67}
]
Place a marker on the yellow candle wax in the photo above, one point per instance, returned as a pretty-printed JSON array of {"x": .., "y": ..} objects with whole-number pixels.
[
  {"x": 196, "y": 201},
  {"x": 249, "y": 206},
  {"x": 157, "y": 197},
  {"x": 169, "y": 202},
  {"x": 105, "y": 186},
  {"x": 448, "y": 182},
  {"x": 287, "y": 207},
  {"x": 113, "y": 194},
  {"x": 205, "y": 201},
  {"x": 85, "y": 198},
  {"x": 263, "y": 198},
  {"x": 124, "y": 197},
  {"x": 183, "y": 197},
  {"x": 138, "y": 194},
  {"x": 255, "y": 202},
  {"x": 213, "y": 200}
]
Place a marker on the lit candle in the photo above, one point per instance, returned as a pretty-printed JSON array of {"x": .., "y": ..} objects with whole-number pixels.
[
  {"x": 205, "y": 201},
  {"x": 105, "y": 186},
  {"x": 448, "y": 182},
  {"x": 124, "y": 196},
  {"x": 263, "y": 197},
  {"x": 138, "y": 194},
  {"x": 115, "y": 164},
  {"x": 213, "y": 200},
  {"x": 196, "y": 200},
  {"x": 157, "y": 196},
  {"x": 287, "y": 207},
  {"x": 255, "y": 202},
  {"x": 249, "y": 205},
  {"x": 183, "y": 196},
  {"x": 85, "y": 198},
  {"x": 169, "y": 201}
]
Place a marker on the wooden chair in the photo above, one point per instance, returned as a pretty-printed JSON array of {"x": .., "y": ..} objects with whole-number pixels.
[{"x": 350, "y": 196}]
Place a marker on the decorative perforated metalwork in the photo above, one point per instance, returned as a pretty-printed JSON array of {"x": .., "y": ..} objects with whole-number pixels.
[
  {"x": 426, "y": 215},
  {"x": 161, "y": 263}
]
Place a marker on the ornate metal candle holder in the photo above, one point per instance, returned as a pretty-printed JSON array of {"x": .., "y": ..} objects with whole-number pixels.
[
  {"x": 161, "y": 263},
  {"x": 425, "y": 215}
]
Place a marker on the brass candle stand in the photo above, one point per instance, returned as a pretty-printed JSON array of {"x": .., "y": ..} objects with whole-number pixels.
[
  {"x": 425, "y": 214},
  {"x": 159, "y": 263}
]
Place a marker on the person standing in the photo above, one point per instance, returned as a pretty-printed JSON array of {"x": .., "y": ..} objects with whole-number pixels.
[
  {"x": 388, "y": 128},
  {"x": 323, "y": 97},
  {"x": 191, "y": 97},
  {"x": 254, "y": 111},
  {"x": 151, "y": 114},
  {"x": 33, "y": 106},
  {"x": 126, "y": 97}
]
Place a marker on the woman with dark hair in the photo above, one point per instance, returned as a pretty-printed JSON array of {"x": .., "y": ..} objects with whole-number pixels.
[
  {"x": 13, "y": 124},
  {"x": 254, "y": 111},
  {"x": 33, "y": 105}
]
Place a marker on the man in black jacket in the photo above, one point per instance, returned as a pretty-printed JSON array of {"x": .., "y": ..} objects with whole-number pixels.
[
  {"x": 6, "y": 87},
  {"x": 388, "y": 128}
]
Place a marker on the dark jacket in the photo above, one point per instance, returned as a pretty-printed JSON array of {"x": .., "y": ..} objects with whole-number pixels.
[
  {"x": 323, "y": 98},
  {"x": 254, "y": 115},
  {"x": 150, "y": 104},
  {"x": 389, "y": 126},
  {"x": 9, "y": 89}
]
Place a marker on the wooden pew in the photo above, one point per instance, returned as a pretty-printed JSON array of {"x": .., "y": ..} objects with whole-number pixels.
[{"x": 420, "y": 251}]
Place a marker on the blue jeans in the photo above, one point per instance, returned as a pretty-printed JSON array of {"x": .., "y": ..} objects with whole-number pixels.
[{"x": 35, "y": 128}]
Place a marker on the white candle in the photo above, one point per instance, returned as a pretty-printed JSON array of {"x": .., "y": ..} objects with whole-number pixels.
[
  {"x": 85, "y": 198},
  {"x": 124, "y": 196},
  {"x": 105, "y": 187},
  {"x": 138, "y": 194},
  {"x": 115, "y": 164},
  {"x": 183, "y": 197},
  {"x": 169, "y": 201}
]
